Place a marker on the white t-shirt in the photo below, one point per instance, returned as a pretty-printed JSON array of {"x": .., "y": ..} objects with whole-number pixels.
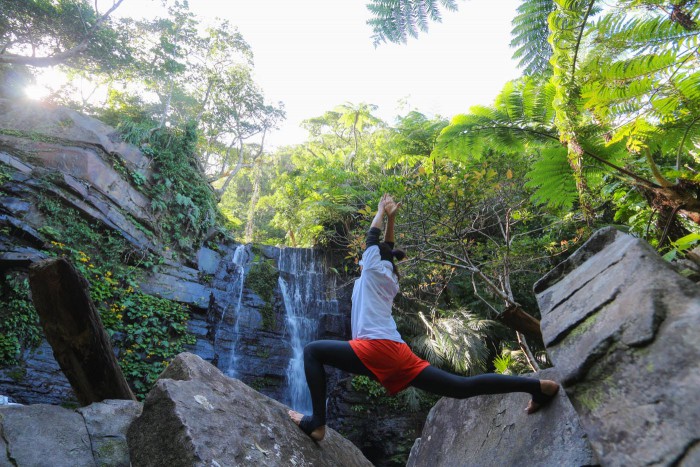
[{"x": 372, "y": 297}]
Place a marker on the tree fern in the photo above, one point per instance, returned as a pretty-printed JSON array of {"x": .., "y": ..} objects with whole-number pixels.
[{"x": 645, "y": 73}]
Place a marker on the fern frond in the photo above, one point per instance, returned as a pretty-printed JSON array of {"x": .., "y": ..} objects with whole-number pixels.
[
  {"x": 522, "y": 114},
  {"x": 530, "y": 32},
  {"x": 642, "y": 34},
  {"x": 552, "y": 179},
  {"x": 642, "y": 65},
  {"x": 689, "y": 87},
  {"x": 395, "y": 20}
]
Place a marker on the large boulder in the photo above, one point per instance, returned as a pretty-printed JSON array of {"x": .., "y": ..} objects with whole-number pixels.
[
  {"x": 495, "y": 431},
  {"x": 196, "y": 416},
  {"x": 49, "y": 435},
  {"x": 623, "y": 329}
]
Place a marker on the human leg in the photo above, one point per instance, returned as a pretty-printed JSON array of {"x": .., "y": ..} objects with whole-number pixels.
[
  {"x": 446, "y": 384},
  {"x": 338, "y": 354}
]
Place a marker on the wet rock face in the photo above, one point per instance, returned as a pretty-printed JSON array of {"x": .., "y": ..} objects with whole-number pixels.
[
  {"x": 256, "y": 324},
  {"x": 623, "y": 329},
  {"x": 38, "y": 381},
  {"x": 197, "y": 416}
]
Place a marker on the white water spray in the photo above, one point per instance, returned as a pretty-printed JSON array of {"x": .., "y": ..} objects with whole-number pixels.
[
  {"x": 303, "y": 288},
  {"x": 240, "y": 260}
]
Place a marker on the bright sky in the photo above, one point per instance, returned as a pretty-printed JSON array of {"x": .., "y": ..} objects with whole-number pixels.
[{"x": 316, "y": 54}]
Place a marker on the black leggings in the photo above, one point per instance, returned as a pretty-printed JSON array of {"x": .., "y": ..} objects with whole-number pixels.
[{"x": 339, "y": 354}]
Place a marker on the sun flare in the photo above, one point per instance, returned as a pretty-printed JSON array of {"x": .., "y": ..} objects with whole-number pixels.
[{"x": 36, "y": 92}]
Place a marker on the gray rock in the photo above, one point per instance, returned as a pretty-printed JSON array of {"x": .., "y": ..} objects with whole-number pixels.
[
  {"x": 107, "y": 423},
  {"x": 15, "y": 163},
  {"x": 196, "y": 416},
  {"x": 61, "y": 122},
  {"x": 623, "y": 329},
  {"x": 37, "y": 380},
  {"x": 44, "y": 435},
  {"x": 176, "y": 288},
  {"x": 208, "y": 260},
  {"x": 86, "y": 198},
  {"x": 495, "y": 431}
]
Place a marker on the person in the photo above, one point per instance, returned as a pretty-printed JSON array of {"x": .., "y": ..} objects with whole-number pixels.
[{"x": 377, "y": 350}]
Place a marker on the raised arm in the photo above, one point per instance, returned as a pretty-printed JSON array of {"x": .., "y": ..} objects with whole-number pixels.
[
  {"x": 375, "y": 230},
  {"x": 379, "y": 216},
  {"x": 391, "y": 207}
]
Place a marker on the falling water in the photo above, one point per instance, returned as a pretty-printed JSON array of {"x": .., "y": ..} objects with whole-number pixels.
[
  {"x": 240, "y": 260},
  {"x": 302, "y": 283}
]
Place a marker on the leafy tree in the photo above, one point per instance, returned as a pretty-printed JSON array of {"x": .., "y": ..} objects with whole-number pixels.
[
  {"x": 643, "y": 78},
  {"x": 475, "y": 219},
  {"x": 43, "y": 33},
  {"x": 355, "y": 118},
  {"x": 238, "y": 114}
]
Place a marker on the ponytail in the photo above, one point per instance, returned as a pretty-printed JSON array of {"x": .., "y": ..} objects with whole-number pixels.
[{"x": 388, "y": 254}]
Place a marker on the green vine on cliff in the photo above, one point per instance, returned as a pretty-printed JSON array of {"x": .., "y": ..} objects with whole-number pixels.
[
  {"x": 19, "y": 323},
  {"x": 146, "y": 331}
]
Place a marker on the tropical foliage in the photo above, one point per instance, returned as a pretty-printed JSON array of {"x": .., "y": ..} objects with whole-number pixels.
[{"x": 603, "y": 128}]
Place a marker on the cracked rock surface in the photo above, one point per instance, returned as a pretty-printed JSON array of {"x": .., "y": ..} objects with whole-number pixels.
[
  {"x": 623, "y": 329},
  {"x": 496, "y": 431},
  {"x": 196, "y": 416},
  {"x": 49, "y": 435}
]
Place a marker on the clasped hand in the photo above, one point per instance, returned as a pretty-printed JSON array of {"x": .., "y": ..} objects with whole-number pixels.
[{"x": 388, "y": 205}]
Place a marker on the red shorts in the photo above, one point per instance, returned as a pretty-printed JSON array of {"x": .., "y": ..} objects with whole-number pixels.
[{"x": 393, "y": 363}]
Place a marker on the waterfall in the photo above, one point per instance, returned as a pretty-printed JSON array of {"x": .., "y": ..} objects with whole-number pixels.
[
  {"x": 302, "y": 283},
  {"x": 240, "y": 259}
]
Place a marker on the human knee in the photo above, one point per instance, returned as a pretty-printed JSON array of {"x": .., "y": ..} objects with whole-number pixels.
[{"x": 311, "y": 350}]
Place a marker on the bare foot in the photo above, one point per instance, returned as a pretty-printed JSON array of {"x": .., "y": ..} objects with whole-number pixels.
[
  {"x": 549, "y": 389},
  {"x": 317, "y": 434}
]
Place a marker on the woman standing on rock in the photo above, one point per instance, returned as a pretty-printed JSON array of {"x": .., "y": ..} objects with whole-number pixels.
[{"x": 377, "y": 350}]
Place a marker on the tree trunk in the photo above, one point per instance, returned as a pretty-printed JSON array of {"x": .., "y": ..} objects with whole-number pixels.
[
  {"x": 515, "y": 318},
  {"x": 250, "y": 224},
  {"x": 575, "y": 159},
  {"x": 74, "y": 329}
]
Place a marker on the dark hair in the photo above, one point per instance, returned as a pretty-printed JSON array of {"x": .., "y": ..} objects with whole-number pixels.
[{"x": 388, "y": 254}]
